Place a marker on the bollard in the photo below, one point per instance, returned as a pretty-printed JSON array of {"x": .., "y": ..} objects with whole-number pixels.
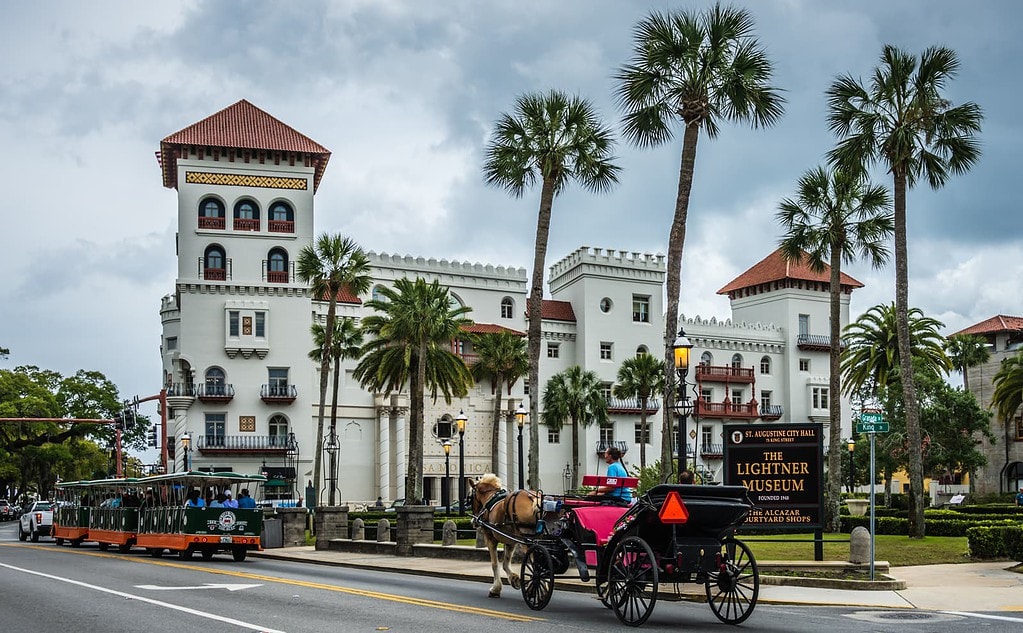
[
  {"x": 358, "y": 530},
  {"x": 330, "y": 522},
  {"x": 480, "y": 541},
  {"x": 415, "y": 525},
  {"x": 384, "y": 531},
  {"x": 450, "y": 533},
  {"x": 859, "y": 545}
]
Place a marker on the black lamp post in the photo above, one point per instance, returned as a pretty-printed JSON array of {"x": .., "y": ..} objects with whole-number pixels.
[
  {"x": 852, "y": 469},
  {"x": 332, "y": 446},
  {"x": 460, "y": 421},
  {"x": 683, "y": 405},
  {"x": 186, "y": 440},
  {"x": 520, "y": 420},
  {"x": 445, "y": 493},
  {"x": 566, "y": 477}
]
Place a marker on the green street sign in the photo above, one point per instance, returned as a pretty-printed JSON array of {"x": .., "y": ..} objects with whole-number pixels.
[{"x": 871, "y": 422}]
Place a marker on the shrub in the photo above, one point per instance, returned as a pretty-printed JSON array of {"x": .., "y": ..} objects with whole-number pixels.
[
  {"x": 986, "y": 542},
  {"x": 1014, "y": 543}
]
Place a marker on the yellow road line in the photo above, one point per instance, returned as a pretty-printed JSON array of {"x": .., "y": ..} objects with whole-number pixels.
[{"x": 297, "y": 583}]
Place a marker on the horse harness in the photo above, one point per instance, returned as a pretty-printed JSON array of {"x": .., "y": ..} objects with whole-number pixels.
[{"x": 513, "y": 519}]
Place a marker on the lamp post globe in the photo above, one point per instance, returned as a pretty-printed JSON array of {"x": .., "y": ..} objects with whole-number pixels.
[
  {"x": 852, "y": 468},
  {"x": 445, "y": 493},
  {"x": 461, "y": 421},
  {"x": 520, "y": 421},
  {"x": 186, "y": 440},
  {"x": 684, "y": 407}
]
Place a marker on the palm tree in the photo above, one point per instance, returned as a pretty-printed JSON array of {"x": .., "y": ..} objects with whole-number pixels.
[
  {"x": 345, "y": 343},
  {"x": 502, "y": 359},
  {"x": 640, "y": 377},
  {"x": 695, "y": 69},
  {"x": 574, "y": 396},
  {"x": 554, "y": 139},
  {"x": 836, "y": 217},
  {"x": 330, "y": 265},
  {"x": 411, "y": 343},
  {"x": 902, "y": 120},
  {"x": 1008, "y": 395},
  {"x": 966, "y": 351}
]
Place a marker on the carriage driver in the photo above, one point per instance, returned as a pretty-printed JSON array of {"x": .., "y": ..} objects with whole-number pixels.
[{"x": 613, "y": 456}]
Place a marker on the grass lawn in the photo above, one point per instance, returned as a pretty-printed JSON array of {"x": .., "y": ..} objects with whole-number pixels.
[{"x": 897, "y": 550}]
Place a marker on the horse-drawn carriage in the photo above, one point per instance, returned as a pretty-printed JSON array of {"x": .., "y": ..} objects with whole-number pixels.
[{"x": 672, "y": 534}]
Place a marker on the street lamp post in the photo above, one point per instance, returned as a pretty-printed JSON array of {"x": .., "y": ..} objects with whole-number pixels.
[
  {"x": 445, "y": 493},
  {"x": 460, "y": 421},
  {"x": 186, "y": 440},
  {"x": 566, "y": 477},
  {"x": 683, "y": 405},
  {"x": 852, "y": 470},
  {"x": 332, "y": 446},
  {"x": 520, "y": 420}
]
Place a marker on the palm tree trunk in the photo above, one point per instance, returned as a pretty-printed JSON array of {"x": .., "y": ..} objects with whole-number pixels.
[
  {"x": 543, "y": 229},
  {"x": 414, "y": 472},
  {"x": 834, "y": 403},
  {"x": 912, "y": 407},
  {"x": 575, "y": 454},
  {"x": 333, "y": 427},
  {"x": 496, "y": 431},
  {"x": 676, "y": 242},
  {"x": 324, "y": 372}
]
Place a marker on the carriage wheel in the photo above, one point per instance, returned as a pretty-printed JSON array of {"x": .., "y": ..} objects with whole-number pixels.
[
  {"x": 537, "y": 577},
  {"x": 632, "y": 581},
  {"x": 733, "y": 587}
]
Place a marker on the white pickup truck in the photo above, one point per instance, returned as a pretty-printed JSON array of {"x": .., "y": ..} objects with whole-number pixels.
[{"x": 37, "y": 521}]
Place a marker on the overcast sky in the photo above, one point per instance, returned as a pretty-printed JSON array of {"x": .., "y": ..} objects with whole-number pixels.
[{"x": 404, "y": 94}]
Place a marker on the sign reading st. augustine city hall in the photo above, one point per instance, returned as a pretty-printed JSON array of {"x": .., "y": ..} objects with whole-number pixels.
[{"x": 782, "y": 467}]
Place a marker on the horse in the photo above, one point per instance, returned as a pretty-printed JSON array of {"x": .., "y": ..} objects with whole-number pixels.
[{"x": 514, "y": 514}]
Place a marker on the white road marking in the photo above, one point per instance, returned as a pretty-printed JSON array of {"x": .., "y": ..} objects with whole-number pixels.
[
  {"x": 167, "y": 605},
  {"x": 1002, "y": 618}
]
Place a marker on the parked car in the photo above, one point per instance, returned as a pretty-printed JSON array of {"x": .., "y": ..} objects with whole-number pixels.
[
  {"x": 36, "y": 522},
  {"x": 397, "y": 503},
  {"x": 6, "y": 510}
]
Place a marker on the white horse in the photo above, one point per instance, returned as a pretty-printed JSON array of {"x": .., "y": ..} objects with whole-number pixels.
[{"x": 514, "y": 514}]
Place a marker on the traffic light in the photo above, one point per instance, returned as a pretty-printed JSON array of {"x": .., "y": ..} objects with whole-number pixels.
[{"x": 152, "y": 437}]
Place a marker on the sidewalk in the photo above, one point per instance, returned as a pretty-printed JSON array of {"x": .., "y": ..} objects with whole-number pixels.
[{"x": 963, "y": 587}]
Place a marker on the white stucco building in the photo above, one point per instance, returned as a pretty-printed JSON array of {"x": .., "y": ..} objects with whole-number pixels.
[{"x": 236, "y": 333}]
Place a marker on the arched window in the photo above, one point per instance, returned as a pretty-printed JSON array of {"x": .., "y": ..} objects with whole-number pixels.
[
  {"x": 214, "y": 263},
  {"x": 246, "y": 216},
  {"x": 507, "y": 308},
  {"x": 211, "y": 214},
  {"x": 765, "y": 365},
  {"x": 277, "y": 267},
  {"x": 706, "y": 359},
  {"x": 278, "y": 431},
  {"x": 455, "y": 302},
  {"x": 216, "y": 380},
  {"x": 378, "y": 294},
  {"x": 282, "y": 218},
  {"x": 642, "y": 350},
  {"x": 736, "y": 361}
]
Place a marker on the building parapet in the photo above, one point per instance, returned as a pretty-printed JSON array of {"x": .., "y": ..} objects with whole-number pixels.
[{"x": 444, "y": 266}]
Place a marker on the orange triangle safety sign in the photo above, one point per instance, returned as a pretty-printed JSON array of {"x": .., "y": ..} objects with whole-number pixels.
[{"x": 673, "y": 510}]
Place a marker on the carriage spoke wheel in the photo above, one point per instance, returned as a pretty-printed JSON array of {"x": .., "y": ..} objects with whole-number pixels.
[
  {"x": 733, "y": 587},
  {"x": 537, "y": 577},
  {"x": 632, "y": 581}
]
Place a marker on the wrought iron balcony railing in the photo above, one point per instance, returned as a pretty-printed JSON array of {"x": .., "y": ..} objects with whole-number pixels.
[
  {"x": 632, "y": 405},
  {"x": 242, "y": 443},
  {"x": 603, "y": 446},
  {"x": 215, "y": 392},
  {"x": 284, "y": 394},
  {"x": 771, "y": 411}
]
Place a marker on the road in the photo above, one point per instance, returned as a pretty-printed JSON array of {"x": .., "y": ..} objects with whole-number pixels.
[{"x": 48, "y": 588}]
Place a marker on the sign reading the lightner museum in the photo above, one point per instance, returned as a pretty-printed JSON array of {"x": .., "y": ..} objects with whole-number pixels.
[{"x": 782, "y": 467}]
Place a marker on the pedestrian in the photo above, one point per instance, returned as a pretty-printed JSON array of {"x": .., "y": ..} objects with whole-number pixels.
[
  {"x": 379, "y": 505},
  {"x": 246, "y": 502},
  {"x": 1019, "y": 498}
]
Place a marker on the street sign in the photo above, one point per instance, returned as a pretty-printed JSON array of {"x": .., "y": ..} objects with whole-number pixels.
[{"x": 871, "y": 422}]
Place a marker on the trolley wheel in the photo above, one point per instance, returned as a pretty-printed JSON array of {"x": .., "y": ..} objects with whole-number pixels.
[
  {"x": 733, "y": 587},
  {"x": 59, "y": 541},
  {"x": 77, "y": 542},
  {"x": 239, "y": 554},
  {"x": 207, "y": 554},
  {"x": 537, "y": 577},
  {"x": 632, "y": 581},
  {"x": 186, "y": 554},
  {"x": 156, "y": 552},
  {"x": 103, "y": 546}
]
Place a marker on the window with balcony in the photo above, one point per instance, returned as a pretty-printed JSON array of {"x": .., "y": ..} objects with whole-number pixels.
[
  {"x": 606, "y": 351},
  {"x": 277, "y": 266},
  {"x": 214, "y": 263},
  {"x": 215, "y": 429},
  {"x": 507, "y": 308},
  {"x": 819, "y": 397},
  {"x": 804, "y": 324},
  {"x": 736, "y": 396},
  {"x": 607, "y": 434},
  {"x": 282, "y": 218},
  {"x": 553, "y": 350},
  {"x": 246, "y": 216},
  {"x": 640, "y": 309},
  {"x": 277, "y": 381},
  {"x": 216, "y": 382},
  {"x": 765, "y": 399},
  {"x": 605, "y": 390},
  {"x": 736, "y": 361},
  {"x": 706, "y": 435},
  {"x": 211, "y": 214},
  {"x": 278, "y": 427},
  {"x": 706, "y": 359},
  {"x": 707, "y": 394},
  {"x": 765, "y": 365}
]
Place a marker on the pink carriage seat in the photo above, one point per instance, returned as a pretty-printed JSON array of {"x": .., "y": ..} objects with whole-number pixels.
[{"x": 600, "y": 520}]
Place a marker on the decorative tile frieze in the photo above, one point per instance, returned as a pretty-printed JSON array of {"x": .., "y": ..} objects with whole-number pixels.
[{"x": 242, "y": 180}]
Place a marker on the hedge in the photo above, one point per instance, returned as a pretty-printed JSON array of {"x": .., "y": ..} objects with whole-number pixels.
[
  {"x": 996, "y": 542},
  {"x": 933, "y": 527}
]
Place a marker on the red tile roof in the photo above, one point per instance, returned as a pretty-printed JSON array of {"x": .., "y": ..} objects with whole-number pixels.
[
  {"x": 997, "y": 323},
  {"x": 346, "y": 296},
  {"x": 775, "y": 267},
  {"x": 490, "y": 328},
  {"x": 241, "y": 126},
  {"x": 555, "y": 310}
]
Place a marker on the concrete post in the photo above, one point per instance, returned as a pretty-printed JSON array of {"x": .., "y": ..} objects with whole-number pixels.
[
  {"x": 415, "y": 525},
  {"x": 358, "y": 530},
  {"x": 293, "y": 525},
  {"x": 330, "y": 522},
  {"x": 450, "y": 533},
  {"x": 383, "y": 531},
  {"x": 859, "y": 545}
]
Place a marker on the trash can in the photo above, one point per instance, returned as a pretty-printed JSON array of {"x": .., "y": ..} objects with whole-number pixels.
[{"x": 273, "y": 534}]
